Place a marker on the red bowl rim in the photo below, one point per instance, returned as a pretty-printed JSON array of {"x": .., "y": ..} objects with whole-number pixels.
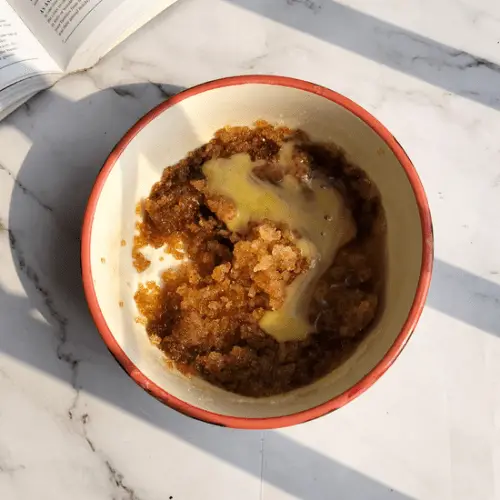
[{"x": 367, "y": 380}]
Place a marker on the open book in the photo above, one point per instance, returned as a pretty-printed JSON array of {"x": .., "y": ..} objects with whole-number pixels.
[{"x": 42, "y": 40}]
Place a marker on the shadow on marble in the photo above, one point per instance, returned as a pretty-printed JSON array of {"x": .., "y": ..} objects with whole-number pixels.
[
  {"x": 446, "y": 67},
  {"x": 45, "y": 217},
  {"x": 466, "y": 297}
]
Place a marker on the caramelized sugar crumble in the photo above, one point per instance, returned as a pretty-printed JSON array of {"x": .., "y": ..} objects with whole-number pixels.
[{"x": 205, "y": 314}]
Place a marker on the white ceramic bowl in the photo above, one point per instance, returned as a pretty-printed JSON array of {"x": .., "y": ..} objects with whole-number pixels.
[{"x": 189, "y": 120}]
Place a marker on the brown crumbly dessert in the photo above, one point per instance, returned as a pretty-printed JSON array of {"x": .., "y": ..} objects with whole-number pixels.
[{"x": 205, "y": 315}]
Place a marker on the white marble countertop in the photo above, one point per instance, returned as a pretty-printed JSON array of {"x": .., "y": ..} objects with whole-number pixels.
[{"x": 73, "y": 425}]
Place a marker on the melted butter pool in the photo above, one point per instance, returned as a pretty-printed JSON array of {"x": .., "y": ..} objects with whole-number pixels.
[{"x": 316, "y": 211}]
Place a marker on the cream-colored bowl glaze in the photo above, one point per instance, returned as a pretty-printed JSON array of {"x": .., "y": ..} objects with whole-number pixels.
[{"x": 163, "y": 138}]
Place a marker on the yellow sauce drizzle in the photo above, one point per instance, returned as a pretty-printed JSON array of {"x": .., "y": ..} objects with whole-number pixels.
[{"x": 316, "y": 211}]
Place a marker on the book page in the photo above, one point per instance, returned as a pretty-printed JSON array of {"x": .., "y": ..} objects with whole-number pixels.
[
  {"x": 21, "y": 55},
  {"x": 121, "y": 23},
  {"x": 62, "y": 26}
]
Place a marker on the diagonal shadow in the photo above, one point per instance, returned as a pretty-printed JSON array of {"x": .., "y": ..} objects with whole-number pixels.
[
  {"x": 446, "y": 67},
  {"x": 465, "y": 296},
  {"x": 45, "y": 216}
]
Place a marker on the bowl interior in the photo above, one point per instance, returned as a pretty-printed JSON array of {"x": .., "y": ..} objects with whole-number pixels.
[{"x": 187, "y": 125}]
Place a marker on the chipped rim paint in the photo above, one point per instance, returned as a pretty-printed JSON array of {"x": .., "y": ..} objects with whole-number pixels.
[{"x": 363, "y": 384}]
